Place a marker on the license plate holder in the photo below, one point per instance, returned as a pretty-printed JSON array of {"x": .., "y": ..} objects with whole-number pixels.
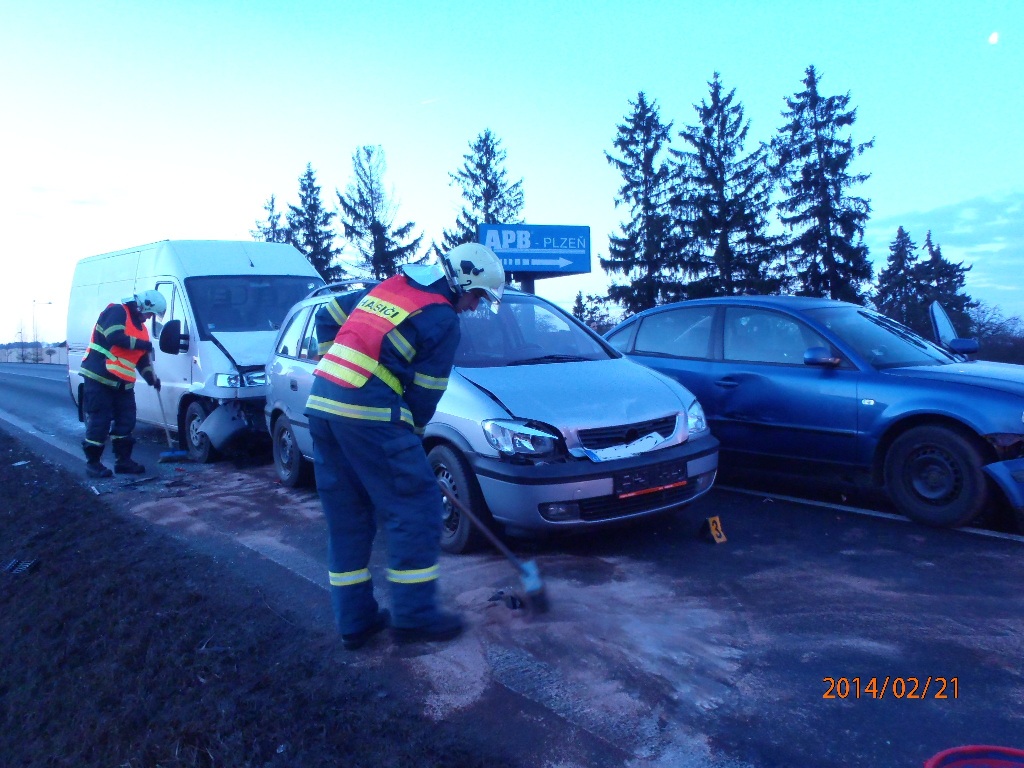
[{"x": 658, "y": 477}]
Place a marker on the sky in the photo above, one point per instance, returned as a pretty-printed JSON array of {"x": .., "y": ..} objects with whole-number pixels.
[{"x": 125, "y": 123}]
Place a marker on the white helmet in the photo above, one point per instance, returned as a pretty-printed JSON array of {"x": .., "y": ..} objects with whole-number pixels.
[
  {"x": 152, "y": 302},
  {"x": 472, "y": 265}
]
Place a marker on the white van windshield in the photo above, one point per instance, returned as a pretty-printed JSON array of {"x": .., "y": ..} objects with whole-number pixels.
[{"x": 240, "y": 303}]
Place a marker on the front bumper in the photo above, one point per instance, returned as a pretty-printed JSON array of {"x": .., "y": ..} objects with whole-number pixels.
[
  {"x": 1009, "y": 476},
  {"x": 522, "y": 496}
]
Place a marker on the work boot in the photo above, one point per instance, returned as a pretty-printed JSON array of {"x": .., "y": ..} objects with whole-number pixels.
[
  {"x": 123, "y": 453},
  {"x": 93, "y": 467},
  {"x": 445, "y": 626},
  {"x": 357, "y": 640}
]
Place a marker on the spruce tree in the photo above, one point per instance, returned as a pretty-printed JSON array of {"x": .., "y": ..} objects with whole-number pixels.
[
  {"x": 645, "y": 251},
  {"x": 943, "y": 281},
  {"x": 309, "y": 228},
  {"x": 368, "y": 217},
  {"x": 592, "y": 312},
  {"x": 488, "y": 195},
  {"x": 720, "y": 202},
  {"x": 898, "y": 294},
  {"x": 813, "y": 154},
  {"x": 270, "y": 230}
]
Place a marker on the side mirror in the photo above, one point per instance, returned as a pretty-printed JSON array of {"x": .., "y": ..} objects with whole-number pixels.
[
  {"x": 171, "y": 340},
  {"x": 821, "y": 357}
]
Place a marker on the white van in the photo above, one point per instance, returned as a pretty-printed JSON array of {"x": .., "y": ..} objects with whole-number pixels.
[{"x": 225, "y": 303}]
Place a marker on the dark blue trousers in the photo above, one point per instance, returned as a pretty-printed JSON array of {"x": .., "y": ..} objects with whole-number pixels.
[
  {"x": 108, "y": 411},
  {"x": 369, "y": 472}
]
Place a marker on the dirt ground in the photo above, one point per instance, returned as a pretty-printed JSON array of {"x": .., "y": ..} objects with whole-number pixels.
[{"x": 120, "y": 647}]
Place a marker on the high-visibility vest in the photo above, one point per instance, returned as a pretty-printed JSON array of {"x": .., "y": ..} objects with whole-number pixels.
[
  {"x": 121, "y": 361},
  {"x": 354, "y": 357}
]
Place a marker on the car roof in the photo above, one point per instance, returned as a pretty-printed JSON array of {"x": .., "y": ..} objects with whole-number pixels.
[{"x": 793, "y": 303}]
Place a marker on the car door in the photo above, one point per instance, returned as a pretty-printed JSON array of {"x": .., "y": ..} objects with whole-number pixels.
[
  {"x": 291, "y": 373},
  {"x": 767, "y": 401}
]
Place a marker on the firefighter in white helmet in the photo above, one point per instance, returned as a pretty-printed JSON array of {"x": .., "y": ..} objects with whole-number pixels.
[
  {"x": 387, "y": 355},
  {"x": 120, "y": 346}
]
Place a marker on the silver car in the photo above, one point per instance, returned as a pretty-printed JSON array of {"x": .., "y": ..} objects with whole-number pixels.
[{"x": 544, "y": 426}]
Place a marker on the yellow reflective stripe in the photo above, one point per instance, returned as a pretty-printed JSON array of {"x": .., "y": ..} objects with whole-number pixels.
[
  {"x": 430, "y": 382},
  {"x": 335, "y": 311},
  {"x": 349, "y": 578},
  {"x": 383, "y": 309},
  {"x": 406, "y": 416},
  {"x": 101, "y": 379},
  {"x": 348, "y": 410},
  {"x": 105, "y": 352},
  {"x": 417, "y": 576},
  {"x": 325, "y": 347},
  {"x": 354, "y": 356},
  {"x": 390, "y": 379},
  {"x": 402, "y": 345},
  {"x": 343, "y": 372}
]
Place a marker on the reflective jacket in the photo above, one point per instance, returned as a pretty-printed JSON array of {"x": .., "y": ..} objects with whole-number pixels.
[
  {"x": 387, "y": 353},
  {"x": 119, "y": 345}
]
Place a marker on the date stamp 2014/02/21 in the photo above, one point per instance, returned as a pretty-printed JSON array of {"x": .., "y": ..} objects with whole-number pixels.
[{"x": 893, "y": 687}]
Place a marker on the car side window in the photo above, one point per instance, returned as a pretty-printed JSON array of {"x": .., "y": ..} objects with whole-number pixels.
[
  {"x": 622, "y": 340},
  {"x": 760, "y": 336},
  {"x": 684, "y": 332},
  {"x": 289, "y": 344},
  {"x": 310, "y": 348}
]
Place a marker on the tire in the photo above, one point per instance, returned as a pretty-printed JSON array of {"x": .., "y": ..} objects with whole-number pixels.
[
  {"x": 458, "y": 534},
  {"x": 200, "y": 450},
  {"x": 934, "y": 476},
  {"x": 292, "y": 469}
]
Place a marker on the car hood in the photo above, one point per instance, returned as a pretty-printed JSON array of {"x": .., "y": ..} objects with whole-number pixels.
[
  {"x": 248, "y": 348},
  {"x": 980, "y": 373},
  {"x": 587, "y": 394}
]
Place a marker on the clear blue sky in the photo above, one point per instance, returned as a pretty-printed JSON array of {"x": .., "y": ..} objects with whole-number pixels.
[{"x": 124, "y": 123}]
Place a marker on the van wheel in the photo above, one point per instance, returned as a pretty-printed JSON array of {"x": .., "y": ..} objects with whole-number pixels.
[
  {"x": 292, "y": 468},
  {"x": 200, "y": 450},
  {"x": 934, "y": 476},
  {"x": 458, "y": 534}
]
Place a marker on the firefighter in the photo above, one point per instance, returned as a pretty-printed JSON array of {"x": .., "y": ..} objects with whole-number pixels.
[
  {"x": 387, "y": 354},
  {"x": 119, "y": 346}
]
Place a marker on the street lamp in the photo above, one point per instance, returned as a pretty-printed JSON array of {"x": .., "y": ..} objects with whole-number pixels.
[{"x": 35, "y": 336}]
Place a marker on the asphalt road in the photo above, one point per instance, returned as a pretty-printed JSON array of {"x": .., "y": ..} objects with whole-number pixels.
[{"x": 814, "y": 635}]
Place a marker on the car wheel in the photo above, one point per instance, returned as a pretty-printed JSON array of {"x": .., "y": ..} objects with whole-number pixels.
[
  {"x": 934, "y": 476},
  {"x": 200, "y": 450},
  {"x": 458, "y": 534},
  {"x": 292, "y": 468}
]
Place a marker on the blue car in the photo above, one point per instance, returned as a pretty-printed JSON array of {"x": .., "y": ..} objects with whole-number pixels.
[{"x": 817, "y": 382}]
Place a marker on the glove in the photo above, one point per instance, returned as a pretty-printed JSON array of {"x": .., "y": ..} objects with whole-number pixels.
[{"x": 156, "y": 384}]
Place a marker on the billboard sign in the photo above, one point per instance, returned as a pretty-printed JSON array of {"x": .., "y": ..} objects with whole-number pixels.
[{"x": 539, "y": 248}]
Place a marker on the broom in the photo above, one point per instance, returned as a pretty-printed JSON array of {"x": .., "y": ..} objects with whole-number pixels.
[{"x": 172, "y": 456}]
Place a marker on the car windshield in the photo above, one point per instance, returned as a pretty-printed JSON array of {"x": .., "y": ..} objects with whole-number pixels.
[
  {"x": 884, "y": 343},
  {"x": 526, "y": 331},
  {"x": 238, "y": 303}
]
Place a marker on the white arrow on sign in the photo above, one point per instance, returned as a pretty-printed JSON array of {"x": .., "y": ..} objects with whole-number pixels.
[{"x": 559, "y": 262}]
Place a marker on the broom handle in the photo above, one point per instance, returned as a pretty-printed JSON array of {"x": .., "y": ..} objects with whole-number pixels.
[
  {"x": 498, "y": 543},
  {"x": 160, "y": 402}
]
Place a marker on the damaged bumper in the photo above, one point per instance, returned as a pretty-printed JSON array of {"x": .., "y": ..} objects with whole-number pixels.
[
  {"x": 229, "y": 420},
  {"x": 1009, "y": 476}
]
